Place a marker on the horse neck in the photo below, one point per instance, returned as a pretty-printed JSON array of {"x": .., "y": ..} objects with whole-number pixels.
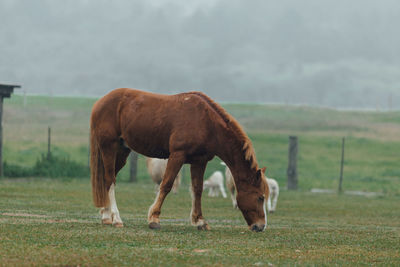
[{"x": 232, "y": 154}]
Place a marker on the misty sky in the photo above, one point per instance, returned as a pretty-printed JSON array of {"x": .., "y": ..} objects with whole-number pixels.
[{"x": 324, "y": 52}]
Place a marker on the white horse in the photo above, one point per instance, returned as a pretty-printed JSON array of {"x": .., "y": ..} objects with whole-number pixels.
[
  {"x": 156, "y": 168},
  {"x": 272, "y": 184},
  {"x": 215, "y": 184}
]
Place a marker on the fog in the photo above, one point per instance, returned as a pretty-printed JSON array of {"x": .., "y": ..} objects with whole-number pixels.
[{"x": 337, "y": 53}]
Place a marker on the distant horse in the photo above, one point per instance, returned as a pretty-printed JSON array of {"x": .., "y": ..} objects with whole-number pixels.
[
  {"x": 186, "y": 128},
  {"x": 156, "y": 168},
  {"x": 273, "y": 190},
  {"x": 215, "y": 184}
]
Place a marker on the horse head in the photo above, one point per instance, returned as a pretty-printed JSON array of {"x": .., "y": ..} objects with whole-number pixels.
[{"x": 250, "y": 199}]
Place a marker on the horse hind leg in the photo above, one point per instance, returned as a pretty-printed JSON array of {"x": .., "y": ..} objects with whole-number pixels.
[
  {"x": 120, "y": 161},
  {"x": 113, "y": 162},
  {"x": 197, "y": 173},
  {"x": 121, "y": 157}
]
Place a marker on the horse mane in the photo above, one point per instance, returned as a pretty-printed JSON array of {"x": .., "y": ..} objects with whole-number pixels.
[{"x": 233, "y": 124}]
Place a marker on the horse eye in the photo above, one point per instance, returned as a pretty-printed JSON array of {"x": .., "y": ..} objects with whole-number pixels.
[{"x": 261, "y": 198}]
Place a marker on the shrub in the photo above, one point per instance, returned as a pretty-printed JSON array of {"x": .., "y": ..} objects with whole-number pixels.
[
  {"x": 59, "y": 167},
  {"x": 53, "y": 166},
  {"x": 14, "y": 170}
]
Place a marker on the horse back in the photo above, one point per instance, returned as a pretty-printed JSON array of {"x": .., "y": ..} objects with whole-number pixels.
[{"x": 156, "y": 125}]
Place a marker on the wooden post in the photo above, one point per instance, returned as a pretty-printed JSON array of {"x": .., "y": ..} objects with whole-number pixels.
[
  {"x": 341, "y": 167},
  {"x": 49, "y": 143},
  {"x": 88, "y": 157},
  {"x": 133, "y": 158},
  {"x": 292, "y": 165},
  {"x": 1, "y": 136}
]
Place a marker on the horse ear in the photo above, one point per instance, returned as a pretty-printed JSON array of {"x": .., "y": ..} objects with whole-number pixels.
[
  {"x": 260, "y": 172},
  {"x": 259, "y": 175},
  {"x": 264, "y": 169}
]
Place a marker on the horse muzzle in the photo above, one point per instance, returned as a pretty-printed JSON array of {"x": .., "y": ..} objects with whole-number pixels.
[{"x": 257, "y": 227}]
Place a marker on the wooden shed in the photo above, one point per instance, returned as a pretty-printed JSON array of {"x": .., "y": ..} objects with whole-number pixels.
[{"x": 5, "y": 91}]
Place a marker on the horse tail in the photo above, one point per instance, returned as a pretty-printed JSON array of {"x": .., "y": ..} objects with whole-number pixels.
[{"x": 99, "y": 188}]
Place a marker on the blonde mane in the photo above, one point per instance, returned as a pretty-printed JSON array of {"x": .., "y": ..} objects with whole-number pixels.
[{"x": 247, "y": 146}]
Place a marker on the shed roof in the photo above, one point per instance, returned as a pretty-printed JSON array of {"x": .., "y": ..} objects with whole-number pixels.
[{"x": 7, "y": 89}]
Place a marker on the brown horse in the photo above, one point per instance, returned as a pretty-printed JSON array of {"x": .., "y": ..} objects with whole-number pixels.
[
  {"x": 186, "y": 128},
  {"x": 156, "y": 168}
]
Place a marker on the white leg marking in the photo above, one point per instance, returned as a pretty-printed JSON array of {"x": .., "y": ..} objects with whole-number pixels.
[
  {"x": 106, "y": 215},
  {"x": 266, "y": 219},
  {"x": 201, "y": 221},
  {"x": 150, "y": 213},
  {"x": 116, "y": 219}
]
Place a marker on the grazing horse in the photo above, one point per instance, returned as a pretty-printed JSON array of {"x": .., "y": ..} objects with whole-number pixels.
[
  {"x": 185, "y": 128},
  {"x": 215, "y": 184},
  {"x": 273, "y": 190},
  {"x": 156, "y": 168}
]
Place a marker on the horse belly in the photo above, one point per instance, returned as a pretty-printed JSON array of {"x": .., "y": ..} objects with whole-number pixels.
[
  {"x": 152, "y": 149},
  {"x": 145, "y": 140}
]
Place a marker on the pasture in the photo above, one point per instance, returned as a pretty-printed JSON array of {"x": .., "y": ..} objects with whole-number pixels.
[{"x": 53, "y": 222}]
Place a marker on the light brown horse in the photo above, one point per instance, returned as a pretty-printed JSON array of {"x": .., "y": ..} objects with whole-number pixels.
[
  {"x": 156, "y": 168},
  {"x": 186, "y": 128}
]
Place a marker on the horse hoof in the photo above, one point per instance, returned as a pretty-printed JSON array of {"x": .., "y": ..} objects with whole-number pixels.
[
  {"x": 118, "y": 225},
  {"x": 154, "y": 225},
  {"x": 106, "y": 221},
  {"x": 204, "y": 227}
]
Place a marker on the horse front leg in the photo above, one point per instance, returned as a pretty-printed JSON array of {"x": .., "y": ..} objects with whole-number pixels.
[
  {"x": 197, "y": 172},
  {"x": 175, "y": 163}
]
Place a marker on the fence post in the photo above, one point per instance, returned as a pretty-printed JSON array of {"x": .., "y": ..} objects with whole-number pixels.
[
  {"x": 341, "y": 167},
  {"x": 88, "y": 155},
  {"x": 292, "y": 165},
  {"x": 49, "y": 143},
  {"x": 1, "y": 137},
  {"x": 133, "y": 158}
]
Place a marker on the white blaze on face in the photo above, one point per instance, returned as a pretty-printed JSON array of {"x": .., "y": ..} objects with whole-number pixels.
[{"x": 265, "y": 214}]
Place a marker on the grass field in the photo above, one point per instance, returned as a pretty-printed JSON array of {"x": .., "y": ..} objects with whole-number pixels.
[
  {"x": 53, "y": 222},
  {"x": 46, "y": 222},
  {"x": 372, "y": 140}
]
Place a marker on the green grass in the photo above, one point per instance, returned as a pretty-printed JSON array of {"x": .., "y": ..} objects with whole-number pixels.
[{"x": 54, "y": 223}]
